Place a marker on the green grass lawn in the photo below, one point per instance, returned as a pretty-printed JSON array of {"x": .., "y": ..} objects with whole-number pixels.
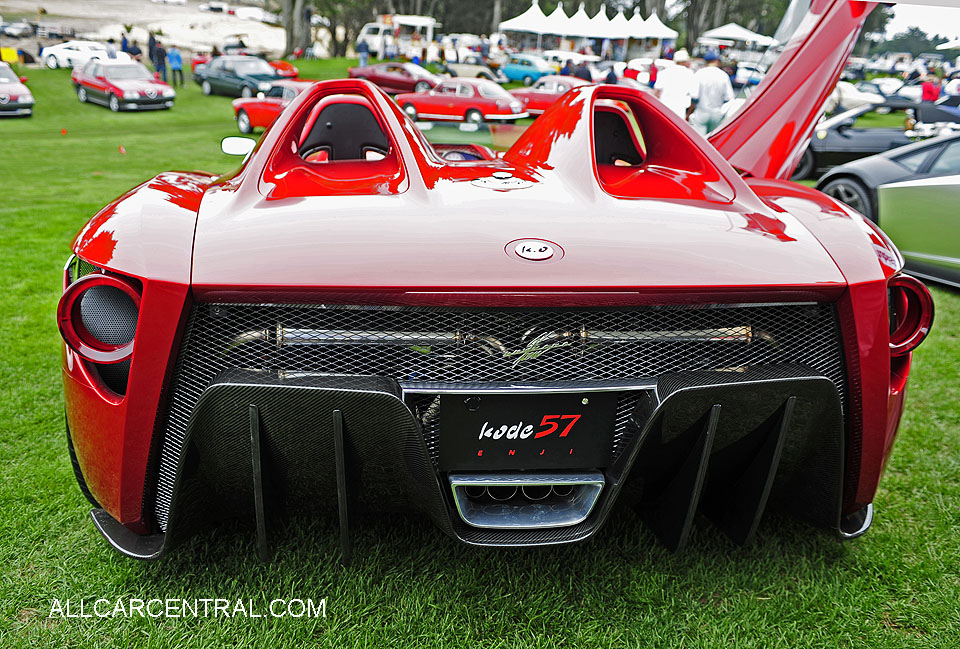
[{"x": 897, "y": 587}]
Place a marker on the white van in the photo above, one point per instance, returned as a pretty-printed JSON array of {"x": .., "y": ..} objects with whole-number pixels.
[{"x": 408, "y": 33}]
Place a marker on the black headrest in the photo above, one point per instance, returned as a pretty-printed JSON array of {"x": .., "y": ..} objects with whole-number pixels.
[{"x": 347, "y": 131}]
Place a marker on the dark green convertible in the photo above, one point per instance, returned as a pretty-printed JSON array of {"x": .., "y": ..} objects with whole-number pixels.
[{"x": 236, "y": 76}]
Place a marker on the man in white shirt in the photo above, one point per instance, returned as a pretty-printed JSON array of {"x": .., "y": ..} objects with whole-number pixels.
[
  {"x": 711, "y": 91},
  {"x": 675, "y": 84}
]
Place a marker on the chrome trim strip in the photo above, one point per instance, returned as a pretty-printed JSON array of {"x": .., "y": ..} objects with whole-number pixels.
[{"x": 428, "y": 387}]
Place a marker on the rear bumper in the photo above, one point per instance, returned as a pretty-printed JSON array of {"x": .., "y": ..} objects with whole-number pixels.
[{"x": 721, "y": 443}]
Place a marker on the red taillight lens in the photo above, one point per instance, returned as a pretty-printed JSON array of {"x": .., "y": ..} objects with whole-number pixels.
[
  {"x": 97, "y": 317},
  {"x": 911, "y": 313}
]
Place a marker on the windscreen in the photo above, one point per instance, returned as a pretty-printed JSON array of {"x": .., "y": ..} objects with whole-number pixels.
[{"x": 127, "y": 72}]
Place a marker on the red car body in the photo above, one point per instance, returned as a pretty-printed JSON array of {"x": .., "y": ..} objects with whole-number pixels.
[
  {"x": 16, "y": 100},
  {"x": 459, "y": 99},
  {"x": 121, "y": 86},
  {"x": 397, "y": 77},
  {"x": 545, "y": 91},
  {"x": 260, "y": 112},
  {"x": 315, "y": 326}
]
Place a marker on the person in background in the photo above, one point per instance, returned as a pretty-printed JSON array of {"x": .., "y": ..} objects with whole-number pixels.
[
  {"x": 175, "y": 59},
  {"x": 124, "y": 46},
  {"x": 583, "y": 72},
  {"x": 611, "y": 77},
  {"x": 567, "y": 68},
  {"x": 711, "y": 90},
  {"x": 160, "y": 60},
  {"x": 151, "y": 46},
  {"x": 135, "y": 52},
  {"x": 953, "y": 86},
  {"x": 652, "y": 81},
  {"x": 111, "y": 49},
  {"x": 484, "y": 47},
  {"x": 363, "y": 52},
  {"x": 675, "y": 85},
  {"x": 930, "y": 89}
]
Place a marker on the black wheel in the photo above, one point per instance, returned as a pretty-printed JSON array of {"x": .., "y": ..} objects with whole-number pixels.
[
  {"x": 114, "y": 103},
  {"x": 82, "y": 94},
  {"x": 206, "y": 88},
  {"x": 411, "y": 111},
  {"x": 474, "y": 116},
  {"x": 76, "y": 470},
  {"x": 246, "y": 92},
  {"x": 528, "y": 80},
  {"x": 422, "y": 86},
  {"x": 805, "y": 167},
  {"x": 243, "y": 123},
  {"x": 853, "y": 193}
]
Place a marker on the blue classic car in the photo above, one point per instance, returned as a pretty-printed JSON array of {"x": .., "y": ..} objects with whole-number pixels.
[{"x": 526, "y": 67}]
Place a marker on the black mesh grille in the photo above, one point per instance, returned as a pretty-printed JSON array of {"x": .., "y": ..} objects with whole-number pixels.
[
  {"x": 109, "y": 314},
  {"x": 482, "y": 345}
]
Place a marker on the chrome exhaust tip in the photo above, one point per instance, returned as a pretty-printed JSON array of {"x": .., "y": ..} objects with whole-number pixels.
[
  {"x": 525, "y": 500},
  {"x": 536, "y": 492},
  {"x": 475, "y": 492},
  {"x": 563, "y": 490},
  {"x": 502, "y": 493}
]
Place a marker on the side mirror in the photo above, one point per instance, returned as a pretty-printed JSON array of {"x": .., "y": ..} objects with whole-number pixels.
[
  {"x": 23, "y": 79},
  {"x": 235, "y": 145}
]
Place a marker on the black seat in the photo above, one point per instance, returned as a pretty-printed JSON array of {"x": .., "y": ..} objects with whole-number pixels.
[{"x": 345, "y": 131}]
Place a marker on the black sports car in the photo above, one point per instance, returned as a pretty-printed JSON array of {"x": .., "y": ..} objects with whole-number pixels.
[
  {"x": 856, "y": 183},
  {"x": 235, "y": 76},
  {"x": 837, "y": 141}
]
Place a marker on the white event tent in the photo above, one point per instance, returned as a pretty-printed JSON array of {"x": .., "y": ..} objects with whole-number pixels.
[
  {"x": 734, "y": 32},
  {"x": 581, "y": 25}
]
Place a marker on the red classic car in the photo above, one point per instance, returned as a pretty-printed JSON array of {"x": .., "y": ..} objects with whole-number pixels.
[
  {"x": 285, "y": 69},
  {"x": 259, "y": 112},
  {"x": 546, "y": 90},
  {"x": 397, "y": 77},
  {"x": 613, "y": 312},
  {"x": 467, "y": 100},
  {"x": 121, "y": 85},
  {"x": 15, "y": 98}
]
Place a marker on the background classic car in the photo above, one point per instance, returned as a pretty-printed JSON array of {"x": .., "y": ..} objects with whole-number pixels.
[
  {"x": 261, "y": 111},
  {"x": 545, "y": 91},
  {"x": 121, "y": 85},
  {"x": 921, "y": 216},
  {"x": 15, "y": 98},
  {"x": 397, "y": 77},
  {"x": 235, "y": 76},
  {"x": 856, "y": 183},
  {"x": 469, "y": 100}
]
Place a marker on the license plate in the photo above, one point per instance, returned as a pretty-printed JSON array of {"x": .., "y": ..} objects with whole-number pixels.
[{"x": 516, "y": 431}]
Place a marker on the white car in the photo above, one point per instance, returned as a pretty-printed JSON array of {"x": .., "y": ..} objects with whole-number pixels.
[
  {"x": 19, "y": 29},
  {"x": 169, "y": 2},
  {"x": 76, "y": 53},
  {"x": 846, "y": 96}
]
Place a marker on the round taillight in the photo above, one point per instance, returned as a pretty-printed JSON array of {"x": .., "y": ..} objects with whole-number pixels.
[
  {"x": 97, "y": 317},
  {"x": 911, "y": 313}
]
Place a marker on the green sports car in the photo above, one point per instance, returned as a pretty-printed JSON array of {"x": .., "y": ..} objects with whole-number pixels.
[{"x": 236, "y": 76}]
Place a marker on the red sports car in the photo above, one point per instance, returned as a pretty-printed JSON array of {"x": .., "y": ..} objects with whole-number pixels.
[
  {"x": 464, "y": 100},
  {"x": 397, "y": 77},
  {"x": 260, "y": 112},
  {"x": 613, "y": 312},
  {"x": 15, "y": 98},
  {"x": 541, "y": 95},
  {"x": 121, "y": 85}
]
